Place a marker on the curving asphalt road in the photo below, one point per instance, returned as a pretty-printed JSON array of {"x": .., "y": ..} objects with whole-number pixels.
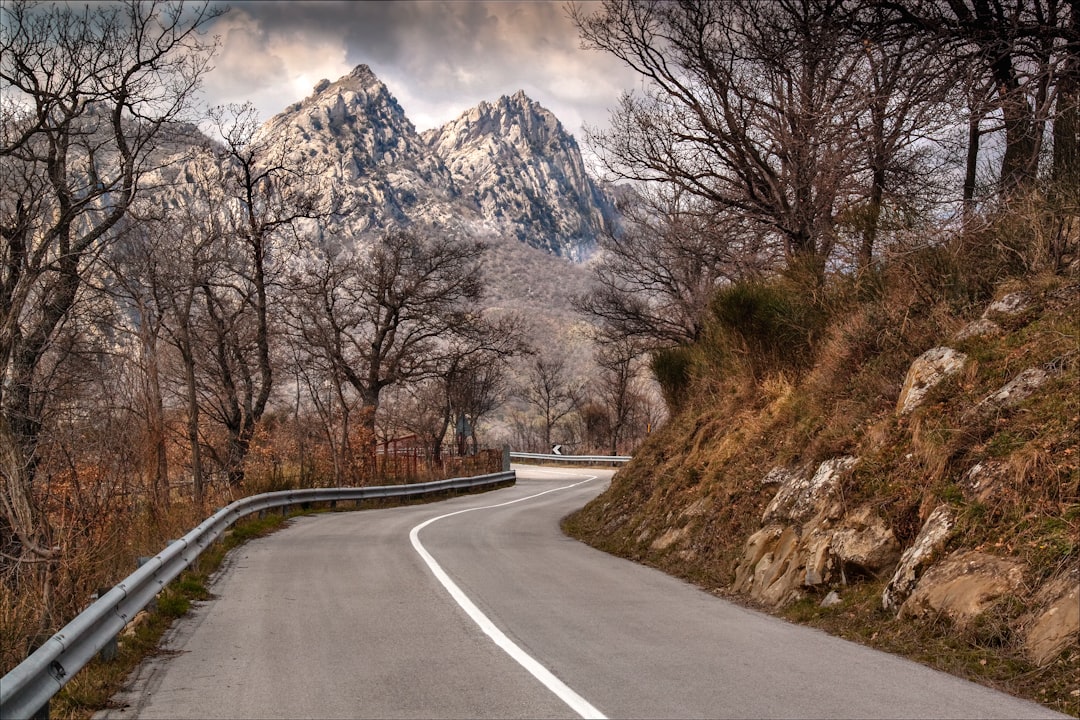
[{"x": 479, "y": 607}]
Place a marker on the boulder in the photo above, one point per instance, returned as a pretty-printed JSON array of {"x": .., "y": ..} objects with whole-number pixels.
[
  {"x": 984, "y": 480},
  {"x": 983, "y": 327},
  {"x": 928, "y": 545},
  {"x": 1056, "y": 622},
  {"x": 800, "y": 498},
  {"x": 927, "y": 371},
  {"x": 1011, "y": 304},
  {"x": 963, "y": 585},
  {"x": 1019, "y": 388},
  {"x": 865, "y": 543}
]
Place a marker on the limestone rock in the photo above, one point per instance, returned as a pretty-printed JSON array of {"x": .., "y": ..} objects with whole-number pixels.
[
  {"x": 865, "y": 543},
  {"x": 757, "y": 546},
  {"x": 1012, "y": 304},
  {"x": 781, "y": 475},
  {"x": 928, "y": 370},
  {"x": 771, "y": 571},
  {"x": 984, "y": 480},
  {"x": 669, "y": 538},
  {"x": 963, "y": 585},
  {"x": 831, "y": 599},
  {"x": 929, "y": 543},
  {"x": 983, "y": 327},
  {"x": 1056, "y": 624},
  {"x": 1019, "y": 388},
  {"x": 132, "y": 627},
  {"x": 817, "y": 561},
  {"x": 800, "y": 498}
]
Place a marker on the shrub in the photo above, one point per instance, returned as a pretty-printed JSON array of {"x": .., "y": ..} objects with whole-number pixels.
[
  {"x": 771, "y": 325},
  {"x": 672, "y": 369}
]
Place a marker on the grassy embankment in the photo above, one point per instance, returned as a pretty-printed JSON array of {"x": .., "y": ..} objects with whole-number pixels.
[{"x": 792, "y": 376}]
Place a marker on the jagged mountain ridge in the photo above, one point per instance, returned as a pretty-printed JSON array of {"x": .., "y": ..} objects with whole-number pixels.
[
  {"x": 519, "y": 164},
  {"x": 503, "y": 169},
  {"x": 362, "y": 144}
]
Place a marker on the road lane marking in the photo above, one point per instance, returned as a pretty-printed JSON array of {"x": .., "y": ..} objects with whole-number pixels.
[{"x": 563, "y": 691}]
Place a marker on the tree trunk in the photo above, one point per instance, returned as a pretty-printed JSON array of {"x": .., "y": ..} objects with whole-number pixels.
[
  {"x": 155, "y": 420},
  {"x": 1066, "y": 172},
  {"x": 27, "y": 522},
  {"x": 198, "y": 490},
  {"x": 873, "y": 218},
  {"x": 971, "y": 165},
  {"x": 1020, "y": 161}
]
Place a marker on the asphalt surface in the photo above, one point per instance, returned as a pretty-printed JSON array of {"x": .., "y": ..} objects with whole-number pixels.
[{"x": 480, "y": 607}]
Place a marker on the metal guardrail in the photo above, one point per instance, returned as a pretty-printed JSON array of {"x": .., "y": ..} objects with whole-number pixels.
[
  {"x": 591, "y": 459},
  {"x": 28, "y": 687}
]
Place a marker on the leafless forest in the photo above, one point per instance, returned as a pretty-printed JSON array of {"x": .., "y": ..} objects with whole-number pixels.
[{"x": 176, "y": 331}]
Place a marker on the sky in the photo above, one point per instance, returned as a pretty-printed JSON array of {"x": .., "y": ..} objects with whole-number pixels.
[{"x": 437, "y": 58}]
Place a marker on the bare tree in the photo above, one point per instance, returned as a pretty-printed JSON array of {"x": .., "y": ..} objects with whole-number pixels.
[
  {"x": 267, "y": 190},
  {"x": 552, "y": 391},
  {"x": 905, "y": 90},
  {"x": 479, "y": 384},
  {"x": 88, "y": 96},
  {"x": 749, "y": 107},
  {"x": 1024, "y": 48},
  {"x": 389, "y": 312},
  {"x": 618, "y": 387},
  {"x": 656, "y": 277}
]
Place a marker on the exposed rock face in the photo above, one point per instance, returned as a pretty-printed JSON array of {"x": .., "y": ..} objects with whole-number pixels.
[
  {"x": 514, "y": 160},
  {"x": 928, "y": 370},
  {"x": 669, "y": 538},
  {"x": 808, "y": 541},
  {"x": 963, "y": 585},
  {"x": 1055, "y": 624},
  {"x": 358, "y": 135},
  {"x": 800, "y": 498},
  {"x": 925, "y": 550},
  {"x": 505, "y": 169},
  {"x": 865, "y": 544}
]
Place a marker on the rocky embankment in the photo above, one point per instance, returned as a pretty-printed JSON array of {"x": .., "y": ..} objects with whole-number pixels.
[{"x": 950, "y": 506}]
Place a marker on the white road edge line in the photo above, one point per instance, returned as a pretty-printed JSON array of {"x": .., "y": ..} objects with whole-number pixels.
[{"x": 563, "y": 691}]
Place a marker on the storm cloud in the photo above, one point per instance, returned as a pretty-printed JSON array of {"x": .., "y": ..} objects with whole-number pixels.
[{"x": 437, "y": 58}]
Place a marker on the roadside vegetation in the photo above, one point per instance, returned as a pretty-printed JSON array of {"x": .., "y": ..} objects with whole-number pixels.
[{"x": 827, "y": 192}]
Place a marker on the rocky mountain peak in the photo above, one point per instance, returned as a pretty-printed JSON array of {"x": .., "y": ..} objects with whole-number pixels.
[
  {"x": 520, "y": 165},
  {"x": 505, "y": 168}
]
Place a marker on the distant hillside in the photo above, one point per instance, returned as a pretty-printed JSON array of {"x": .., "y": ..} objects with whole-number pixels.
[{"x": 906, "y": 475}]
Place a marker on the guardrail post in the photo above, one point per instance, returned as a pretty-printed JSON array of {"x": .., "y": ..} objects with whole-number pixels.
[
  {"x": 139, "y": 562},
  {"x": 110, "y": 649}
]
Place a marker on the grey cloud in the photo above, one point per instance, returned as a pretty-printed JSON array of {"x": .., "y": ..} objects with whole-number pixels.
[{"x": 440, "y": 58}]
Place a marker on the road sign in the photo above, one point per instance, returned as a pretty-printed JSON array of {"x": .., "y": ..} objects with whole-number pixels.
[{"x": 556, "y": 449}]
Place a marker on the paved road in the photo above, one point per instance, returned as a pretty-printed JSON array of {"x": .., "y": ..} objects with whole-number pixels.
[{"x": 480, "y": 607}]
